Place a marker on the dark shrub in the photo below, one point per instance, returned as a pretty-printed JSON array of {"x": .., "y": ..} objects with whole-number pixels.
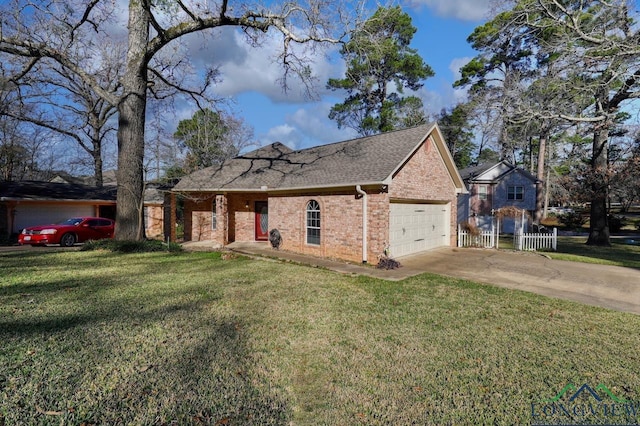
[
  {"x": 388, "y": 263},
  {"x": 572, "y": 220},
  {"x": 131, "y": 246},
  {"x": 616, "y": 223}
]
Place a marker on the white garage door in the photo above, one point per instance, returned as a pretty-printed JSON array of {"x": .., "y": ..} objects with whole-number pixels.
[
  {"x": 418, "y": 227},
  {"x": 44, "y": 214}
]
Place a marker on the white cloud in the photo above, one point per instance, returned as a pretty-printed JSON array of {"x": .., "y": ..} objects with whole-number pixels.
[
  {"x": 314, "y": 122},
  {"x": 247, "y": 68},
  {"x": 307, "y": 127},
  {"x": 285, "y": 133},
  {"x": 467, "y": 10},
  {"x": 459, "y": 94},
  {"x": 456, "y": 64}
]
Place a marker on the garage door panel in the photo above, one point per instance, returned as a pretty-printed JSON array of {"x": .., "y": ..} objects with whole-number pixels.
[
  {"x": 32, "y": 215},
  {"x": 417, "y": 227}
]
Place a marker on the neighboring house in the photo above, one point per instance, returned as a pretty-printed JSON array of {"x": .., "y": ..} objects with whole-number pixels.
[
  {"x": 29, "y": 203},
  {"x": 492, "y": 187},
  {"x": 157, "y": 210},
  {"x": 108, "y": 178},
  {"x": 347, "y": 200}
]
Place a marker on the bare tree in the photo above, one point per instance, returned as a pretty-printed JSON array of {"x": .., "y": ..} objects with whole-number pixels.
[
  {"x": 23, "y": 146},
  {"x": 61, "y": 32},
  {"x": 59, "y": 100}
]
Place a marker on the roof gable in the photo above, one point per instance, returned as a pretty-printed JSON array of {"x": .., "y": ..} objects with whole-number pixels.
[
  {"x": 367, "y": 160},
  {"x": 492, "y": 172}
]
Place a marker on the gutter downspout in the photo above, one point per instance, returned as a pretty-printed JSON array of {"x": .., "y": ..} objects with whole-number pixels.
[{"x": 365, "y": 220}]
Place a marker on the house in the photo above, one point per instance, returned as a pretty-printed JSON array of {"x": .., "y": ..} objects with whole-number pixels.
[
  {"x": 349, "y": 200},
  {"x": 492, "y": 187},
  {"x": 108, "y": 178},
  {"x": 29, "y": 203}
]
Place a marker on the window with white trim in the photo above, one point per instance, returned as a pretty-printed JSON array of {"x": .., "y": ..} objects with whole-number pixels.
[
  {"x": 515, "y": 193},
  {"x": 214, "y": 216},
  {"x": 482, "y": 192},
  {"x": 313, "y": 222}
]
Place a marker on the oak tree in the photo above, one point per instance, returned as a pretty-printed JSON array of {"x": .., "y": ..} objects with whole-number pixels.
[{"x": 62, "y": 33}]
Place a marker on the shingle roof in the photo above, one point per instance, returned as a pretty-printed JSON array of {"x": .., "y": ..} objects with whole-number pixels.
[
  {"x": 473, "y": 172},
  {"x": 37, "y": 190},
  {"x": 367, "y": 160}
]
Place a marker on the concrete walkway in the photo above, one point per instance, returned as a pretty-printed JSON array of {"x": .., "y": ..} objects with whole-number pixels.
[{"x": 606, "y": 286}]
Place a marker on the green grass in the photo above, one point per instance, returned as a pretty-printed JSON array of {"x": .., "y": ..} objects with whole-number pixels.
[
  {"x": 621, "y": 252},
  {"x": 192, "y": 338}
]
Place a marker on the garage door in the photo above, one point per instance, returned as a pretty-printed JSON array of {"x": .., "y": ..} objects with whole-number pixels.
[
  {"x": 43, "y": 214},
  {"x": 418, "y": 227}
]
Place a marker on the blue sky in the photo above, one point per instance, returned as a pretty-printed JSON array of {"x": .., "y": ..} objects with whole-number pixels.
[{"x": 249, "y": 75}]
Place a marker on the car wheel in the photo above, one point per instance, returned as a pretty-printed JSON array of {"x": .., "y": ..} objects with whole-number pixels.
[{"x": 67, "y": 240}]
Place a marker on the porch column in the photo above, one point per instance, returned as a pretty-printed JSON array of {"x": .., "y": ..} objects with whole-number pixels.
[
  {"x": 174, "y": 219},
  {"x": 224, "y": 210}
]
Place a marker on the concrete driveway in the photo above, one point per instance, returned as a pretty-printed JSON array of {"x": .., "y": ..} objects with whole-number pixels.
[{"x": 611, "y": 287}]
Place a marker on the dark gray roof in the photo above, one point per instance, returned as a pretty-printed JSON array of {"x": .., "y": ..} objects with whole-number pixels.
[
  {"x": 470, "y": 173},
  {"x": 473, "y": 171},
  {"x": 37, "y": 190},
  {"x": 367, "y": 160}
]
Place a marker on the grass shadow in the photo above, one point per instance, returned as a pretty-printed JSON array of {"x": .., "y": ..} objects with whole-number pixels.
[{"x": 175, "y": 357}]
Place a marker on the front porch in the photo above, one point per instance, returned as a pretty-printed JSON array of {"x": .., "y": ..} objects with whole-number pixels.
[{"x": 225, "y": 218}]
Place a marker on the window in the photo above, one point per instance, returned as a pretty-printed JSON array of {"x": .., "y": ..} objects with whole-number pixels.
[
  {"x": 482, "y": 192},
  {"x": 515, "y": 193},
  {"x": 214, "y": 216},
  {"x": 313, "y": 222}
]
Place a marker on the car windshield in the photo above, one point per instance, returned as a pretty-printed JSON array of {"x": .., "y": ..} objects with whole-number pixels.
[{"x": 75, "y": 221}]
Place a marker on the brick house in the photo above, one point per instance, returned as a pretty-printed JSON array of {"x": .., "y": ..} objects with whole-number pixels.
[
  {"x": 494, "y": 186},
  {"x": 348, "y": 200}
]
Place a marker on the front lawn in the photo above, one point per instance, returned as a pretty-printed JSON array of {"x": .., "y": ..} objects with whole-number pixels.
[
  {"x": 624, "y": 251},
  {"x": 159, "y": 339}
]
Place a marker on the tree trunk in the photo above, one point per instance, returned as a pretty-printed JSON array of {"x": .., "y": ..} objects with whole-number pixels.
[
  {"x": 540, "y": 187},
  {"x": 97, "y": 166},
  {"x": 131, "y": 110},
  {"x": 599, "y": 226}
]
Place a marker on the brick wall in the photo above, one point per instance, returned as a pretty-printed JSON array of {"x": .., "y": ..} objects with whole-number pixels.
[
  {"x": 241, "y": 208},
  {"x": 198, "y": 218},
  {"x": 425, "y": 177},
  {"x": 154, "y": 221},
  {"x": 341, "y": 224}
]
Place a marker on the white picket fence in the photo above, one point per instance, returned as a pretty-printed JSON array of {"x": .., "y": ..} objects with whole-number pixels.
[
  {"x": 486, "y": 239},
  {"x": 536, "y": 241},
  {"x": 528, "y": 241}
]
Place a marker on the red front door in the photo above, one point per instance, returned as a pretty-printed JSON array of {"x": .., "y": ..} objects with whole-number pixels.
[{"x": 262, "y": 221}]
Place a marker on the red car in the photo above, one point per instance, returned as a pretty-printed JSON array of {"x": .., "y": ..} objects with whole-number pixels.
[{"x": 69, "y": 232}]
